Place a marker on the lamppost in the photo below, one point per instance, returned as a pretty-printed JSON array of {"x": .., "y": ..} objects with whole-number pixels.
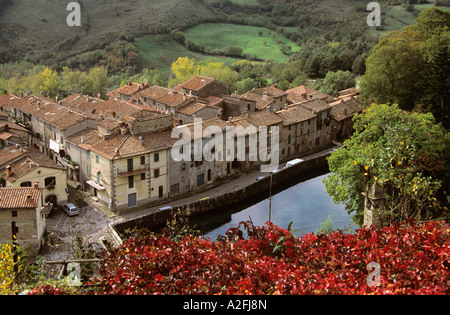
[{"x": 270, "y": 197}]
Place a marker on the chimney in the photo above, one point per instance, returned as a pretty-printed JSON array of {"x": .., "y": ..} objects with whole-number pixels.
[
  {"x": 8, "y": 171},
  {"x": 140, "y": 140},
  {"x": 29, "y": 198},
  {"x": 265, "y": 96},
  {"x": 36, "y": 185}
]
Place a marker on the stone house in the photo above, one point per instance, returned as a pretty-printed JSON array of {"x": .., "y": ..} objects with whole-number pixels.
[
  {"x": 235, "y": 106},
  {"x": 22, "y": 212},
  {"x": 127, "y": 92},
  {"x": 267, "y": 98},
  {"x": 187, "y": 113},
  {"x": 203, "y": 87},
  {"x": 322, "y": 128},
  {"x": 342, "y": 113},
  {"x": 130, "y": 170},
  {"x": 298, "y": 131},
  {"x": 31, "y": 167},
  {"x": 78, "y": 159}
]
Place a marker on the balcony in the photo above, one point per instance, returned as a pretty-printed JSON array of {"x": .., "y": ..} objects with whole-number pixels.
[
  {"x": 70, "y": 164},
  {"x": 128, "y": 172}
]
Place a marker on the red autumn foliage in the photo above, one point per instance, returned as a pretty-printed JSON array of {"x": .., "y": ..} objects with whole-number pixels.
[{"x": 413, "y": 259}]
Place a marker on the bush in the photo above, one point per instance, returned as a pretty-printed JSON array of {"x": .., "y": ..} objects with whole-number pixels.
[{"x": 413, "y": 259}]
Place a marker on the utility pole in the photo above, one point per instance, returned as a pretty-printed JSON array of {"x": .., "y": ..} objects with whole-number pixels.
[{"x": 270, "y": 198}]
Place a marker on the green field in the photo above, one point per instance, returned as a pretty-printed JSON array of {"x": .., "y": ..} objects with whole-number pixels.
[
  {"x": 161, "y": 54},
  {"x": 218, "y": 36},
  {"x": 396, "y": 18}
]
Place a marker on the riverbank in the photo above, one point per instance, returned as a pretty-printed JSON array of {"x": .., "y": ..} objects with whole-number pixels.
[{"x": 235, "y": 191}]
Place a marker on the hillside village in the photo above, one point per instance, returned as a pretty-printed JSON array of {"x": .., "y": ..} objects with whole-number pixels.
[{"x": 119, "y": 150}]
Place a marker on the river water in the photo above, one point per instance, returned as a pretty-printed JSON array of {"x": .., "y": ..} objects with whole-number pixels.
[{"x": 303, "y": 201}]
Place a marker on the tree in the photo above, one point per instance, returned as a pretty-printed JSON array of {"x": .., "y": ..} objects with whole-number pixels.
[
  {"x": 337, "y": 81},
  {"x": 51, "y": 82},
  {"x": 411, "y": 68},
  {"x": 96, "y": 81},
  {"x": 395, "y": 69},
  {"x": 183, "y": 67},
  {"x": 402, "y": 153}
]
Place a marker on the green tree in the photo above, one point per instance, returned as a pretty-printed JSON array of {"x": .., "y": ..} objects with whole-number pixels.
[
  {"x": 401, "y": 152},
  {"x": 96, "y": 82},
  {"x": 395, "y": 69},
  {"x": 246, "y": 85},
  {"x": 411, "y": 68},
  {"x": 337, "y": 81}
]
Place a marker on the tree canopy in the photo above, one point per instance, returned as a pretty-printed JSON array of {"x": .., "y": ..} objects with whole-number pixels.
[
  {"x": 402, "y": 152},
  {"x": 411, "y": 68}
]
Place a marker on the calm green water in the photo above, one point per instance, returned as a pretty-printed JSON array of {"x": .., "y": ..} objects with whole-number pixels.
[{"x": 305, "y": 203}]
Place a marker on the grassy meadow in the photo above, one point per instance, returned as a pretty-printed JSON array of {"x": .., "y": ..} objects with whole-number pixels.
[
  {"x": 218, "y": 36},
  {"x": 160, "y": 54}
]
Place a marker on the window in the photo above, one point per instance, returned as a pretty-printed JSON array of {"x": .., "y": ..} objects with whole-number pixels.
[
  {"x": 289, "y": 139},
  {"x": 156, "y": 157},
  {"x": 14, "y": 213},
  {"x": 130, "y": 181},
  {"x": 156, "y": 173},
  {"x": 130, "y": 165},
  {"x": 89, "y": 170},
  {"x": 96, "y": 159},
  {"x": 88, "y": 154},
  {"x": 50, "y": 182},
  {"x": 142, "y": 160},
  {"x": 25, "y": 184},
  {"x": 142, "y": 176}
]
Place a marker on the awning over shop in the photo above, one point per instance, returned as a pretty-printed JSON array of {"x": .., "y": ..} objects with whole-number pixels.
[{"x": 95, "y": 185}]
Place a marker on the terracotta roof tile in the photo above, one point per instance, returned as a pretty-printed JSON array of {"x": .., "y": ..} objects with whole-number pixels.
[
  {"x": 295, "y": 115},
  {"x": 264, "y": 118},
  {"x": 196, "y": 83},
  {"x": 19, "y": 198},
  {"x": 9, "y": 154},
  {"x": 122, "y": 146},
  {"x": 191, "y": 109},
  {"x": 5, "y": 100},
  {"x": 315, "y": 106}
]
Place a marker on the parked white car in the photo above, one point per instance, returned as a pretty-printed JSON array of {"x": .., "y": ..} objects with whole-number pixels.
[{"x": 70, "y": 209}]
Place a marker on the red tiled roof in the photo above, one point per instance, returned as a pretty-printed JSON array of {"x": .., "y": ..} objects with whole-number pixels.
[
  {"x": 20, "y": 198},
  {"x": 196, "y": 83},
  {"x": 264, "y": 118},
  {"x": 122, "y": 146},
  {"x": 9, "y": 154},
  {"x": 295, "y": 115},
  {"x": 5, "y": 100},
  {"x": 128, "y": 89},
  {"x": 302, "y": 90}
]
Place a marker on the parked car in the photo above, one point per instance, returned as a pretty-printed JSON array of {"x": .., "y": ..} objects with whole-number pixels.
[
  {"x": 70, "y": 209},
  {"x": 165, "y": 208},
  {"x": 293, "y": 162}
]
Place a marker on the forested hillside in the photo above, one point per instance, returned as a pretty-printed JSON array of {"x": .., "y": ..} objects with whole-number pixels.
[{"x": 292, "y": 40}]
